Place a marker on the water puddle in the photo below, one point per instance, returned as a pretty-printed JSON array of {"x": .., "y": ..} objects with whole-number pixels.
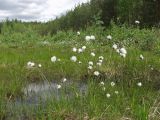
[
  {"x": 37, "y": 94},
  {"x": 46, "y": 90}
]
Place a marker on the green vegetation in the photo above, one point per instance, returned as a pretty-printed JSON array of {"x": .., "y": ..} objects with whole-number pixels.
[
  {"x": 132, "y": 101},
  {"x": 124, "y": 85}
]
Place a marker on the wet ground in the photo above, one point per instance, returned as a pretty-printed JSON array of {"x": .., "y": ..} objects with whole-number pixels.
[{"x": 36, "y": 95}]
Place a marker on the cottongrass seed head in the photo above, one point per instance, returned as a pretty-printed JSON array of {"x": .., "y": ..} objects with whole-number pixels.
[
  {"x": 53, "y": 59},
  {"x": 93, "y": 54},
  {"x": 73, "y": 58},
  {"x": 74, "y": 49},
  {"x": 96, "y": 73},
  {"x": 109, "y": 37},
  {"x": 139, "y": 84}
]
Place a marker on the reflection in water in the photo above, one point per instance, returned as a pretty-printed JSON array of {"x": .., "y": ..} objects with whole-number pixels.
[
  {"x": 37, "y": 94},
  {"x": 46, "y": 90}
]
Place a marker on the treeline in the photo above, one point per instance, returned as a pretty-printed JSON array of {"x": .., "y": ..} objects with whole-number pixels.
[{"x": 100, "y": 12}]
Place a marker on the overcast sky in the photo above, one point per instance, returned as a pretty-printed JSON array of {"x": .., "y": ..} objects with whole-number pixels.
[{"x": 39, "y": 10}]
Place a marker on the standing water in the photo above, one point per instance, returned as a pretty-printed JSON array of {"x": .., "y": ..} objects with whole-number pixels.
[{"x": 37, "y": 94}]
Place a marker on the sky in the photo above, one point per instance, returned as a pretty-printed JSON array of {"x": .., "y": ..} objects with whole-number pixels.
[{"x": 35, "y": 10}]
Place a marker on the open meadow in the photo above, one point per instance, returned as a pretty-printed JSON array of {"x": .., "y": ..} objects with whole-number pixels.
[{"x": 92, "y": 74}]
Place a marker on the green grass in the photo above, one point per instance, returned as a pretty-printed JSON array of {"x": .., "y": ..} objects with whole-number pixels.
[{"x": 132, "y": 101}]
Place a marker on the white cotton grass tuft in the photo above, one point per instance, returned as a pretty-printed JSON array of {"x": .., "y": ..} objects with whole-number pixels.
[
  {"x": 99, "y": 63},
  {"x": 93, "y": 54},
  {"x": 78, "y": 33},
  {"x": 117, "y": 50},
  {"x": 139, "y": 84},
  {"x": 90, "y": 67},
  {"x": 74, "y": 49},
  {"x": 123, "y": 55},
  {"x": 59, "y": 86},
  {"x": 80, "y": 62},
  {"x": 141, "y": 57},
  {"x": 113, "y": 84},
  {"x": 83, "y": 48},
  {"x": 73, "y": 58},
  {"x": 102, "y": 83},
  {"x": 87, "y": 38},
  {"x": 64, "y": 80},
  {"x": 53, "y": 59},
  {"x": 115, "y": 46},
  {"x": 137, "y": 22},
  {"x": 96, "y": 73},
  {"x": 109, "y": 37},
  {"x": 101, "y": 57},
  {"x": 90, "y": 63},
  {"x": 39, "y": 65},
  {"x": 108, "y": 95},
  {"x": 30, "y": 64},
  {"x": 123, "y": 52},
  {"x": 80, "y": 50},
  {"x": 92, "y": 37}
]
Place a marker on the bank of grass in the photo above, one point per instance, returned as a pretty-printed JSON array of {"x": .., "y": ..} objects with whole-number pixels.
[{"x": 132, "y": 101}]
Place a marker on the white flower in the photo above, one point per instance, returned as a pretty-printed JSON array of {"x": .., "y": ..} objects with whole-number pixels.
[
  {"x": 90, "y": 63},
  {"x": 101, "y": 83},
  {"x": 123, "y": 55},
  {"x": 53, "y": 59},
  {"x": 78, "y": 33},
  {"x": 137, "y": 22},
  {"x": 96, "y": 73},
  {"x": 58, "y": 86},
  {"x": 83, "y": 47},
  {"x": 30, "y": 64},
  {"x": 101, "y": 57},
  {"x": 109, "y": 37},
  {"x": 79, "y": 62},
  {"x": 112, "y": 84},
  {"x": 115, "y": 46},
  {"x": 139, "y": 84},
  {"x": 87, "y": 38},
  {"x": 99, "y": 63},
  {"x": 108, "y": 95},
  {"x": 39, "y": 65},
  {"x": 73, "y": 58},
  {"x": 92, "y": 37},
  {"x": 90, "y": 67},
  {"x": 74, "y": 49},
  {"x": 116, "y": 92},
  {"x": 93, "y": 54},
  {"x": 123, "y": 51},
  {"x": 80, "y": 50},
  {"x": 141, "y": 57},
  {"x": 117, "y": 50},
  {"x": 64, "y": 79}
]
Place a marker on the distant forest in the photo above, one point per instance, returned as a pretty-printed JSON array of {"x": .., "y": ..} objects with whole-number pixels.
[{"x": 96, "y": 12}]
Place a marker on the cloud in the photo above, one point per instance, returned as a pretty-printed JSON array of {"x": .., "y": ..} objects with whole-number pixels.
[{"x": 35, "y": 10}]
